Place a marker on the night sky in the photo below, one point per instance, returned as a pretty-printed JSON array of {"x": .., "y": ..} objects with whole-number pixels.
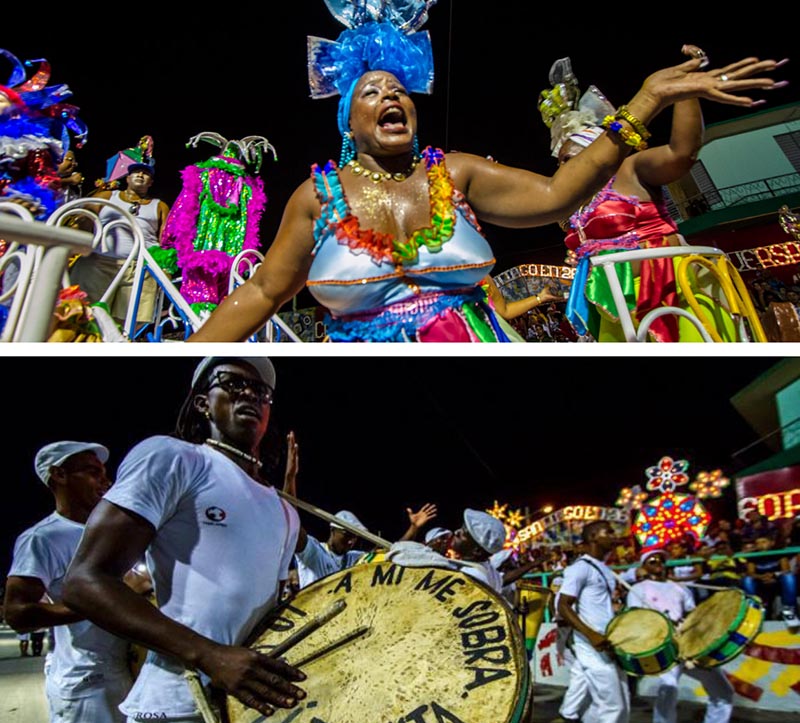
[
  {"x": 378, "y": 433},
  {"x": 173, "y": 73}
]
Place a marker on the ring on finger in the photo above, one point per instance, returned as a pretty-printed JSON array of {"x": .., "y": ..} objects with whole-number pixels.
[{"x": 724, "y": 78}]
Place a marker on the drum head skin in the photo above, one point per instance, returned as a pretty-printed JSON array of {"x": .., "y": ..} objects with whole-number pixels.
[
  {"x": 719, "y": 628},
  {"x": 638, "y": 630},
  {"x": 643, "y": 641},
  {"x": 435, "y": 644}
]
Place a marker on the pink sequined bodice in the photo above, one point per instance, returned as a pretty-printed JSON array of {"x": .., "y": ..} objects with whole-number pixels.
[{"x": 611, "y": 215}]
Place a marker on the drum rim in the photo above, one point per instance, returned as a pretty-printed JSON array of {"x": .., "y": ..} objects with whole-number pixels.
[
  {"x": 746, "y": 601},
  {"x": 670, "y": 638},
  {"x": 522, "y": 706}
]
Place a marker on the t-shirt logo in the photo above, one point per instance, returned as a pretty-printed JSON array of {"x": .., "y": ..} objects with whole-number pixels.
[{"x": 216, "y": 514}]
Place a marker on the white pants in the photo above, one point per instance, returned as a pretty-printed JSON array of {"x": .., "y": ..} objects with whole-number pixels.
[
  {"x": 606, "y": 683},
  {"x": 99, "y": 706},
  {"x": 713, "y": 680},
  {"x": 576, "y": 697}
]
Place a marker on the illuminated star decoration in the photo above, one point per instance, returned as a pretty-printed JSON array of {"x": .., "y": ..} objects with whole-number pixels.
[
  {"x": 511, "y": 519},
  {"x": 709, "y": 484},
  {"x": 631, "y": 498},
  {"x": 499, "y": 511},
  {"x": 667, "y": 475}
]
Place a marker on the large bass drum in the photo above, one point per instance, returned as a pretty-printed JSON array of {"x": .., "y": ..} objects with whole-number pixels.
[
  {"x": 412, "y": 644},
  {"x": 720, "y": 628}
]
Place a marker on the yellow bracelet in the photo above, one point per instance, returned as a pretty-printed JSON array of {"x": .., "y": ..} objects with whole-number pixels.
[
  {"x": 630, "y": 138},
  {"x": 624, "y": 114}
]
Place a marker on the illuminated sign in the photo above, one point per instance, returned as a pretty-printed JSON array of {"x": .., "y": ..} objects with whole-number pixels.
[
  {"x": 573, "y": 513},
  {"x": 774, "y": 493},
  {"x": 775, "y": 505},
  {"x": 549, "y": 271},
  {"x": 766, "y": 256}
]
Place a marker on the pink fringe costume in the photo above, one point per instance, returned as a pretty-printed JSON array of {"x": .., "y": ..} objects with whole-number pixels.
[{"x": 214, "y": 218}]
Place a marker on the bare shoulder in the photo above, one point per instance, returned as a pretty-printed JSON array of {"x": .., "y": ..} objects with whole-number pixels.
[
  {"x": 304, "y": 200},
  {"x": 464, "y": 166}
]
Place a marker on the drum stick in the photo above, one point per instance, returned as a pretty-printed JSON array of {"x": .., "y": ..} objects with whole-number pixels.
[
  {"x": 193, "y": 678},
  {"x": 357, "y": 633},
  {"x": 306, "y": 630},
  {"x": 705, "y": 587},
  {"x": 200, "y": 697},
  {"x": 374, "y": 539}
]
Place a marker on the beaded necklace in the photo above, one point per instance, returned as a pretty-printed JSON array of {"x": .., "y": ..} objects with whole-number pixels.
[{"x": 234, "y": 450}]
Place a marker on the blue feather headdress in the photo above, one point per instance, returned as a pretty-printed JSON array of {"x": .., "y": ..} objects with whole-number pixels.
[{"x": 380, "y": 35}]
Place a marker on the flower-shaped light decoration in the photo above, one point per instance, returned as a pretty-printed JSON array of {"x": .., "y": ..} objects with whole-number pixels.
[
  {"x": 709, "y": 484},
  {"x": 667, "y": 475},
  {"x": 499, "y": 511},
  {"x": 631, "y": 498},
  {"x": 669, "y": 517}
]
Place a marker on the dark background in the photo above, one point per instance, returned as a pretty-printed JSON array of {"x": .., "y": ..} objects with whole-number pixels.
[
  {"x": 173, "y": 72},
  {"x": 379, "y": 434}
]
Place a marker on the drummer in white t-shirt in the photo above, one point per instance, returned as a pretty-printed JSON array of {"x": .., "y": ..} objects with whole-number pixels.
[
  {"x": 656, "y": 592},
  {"x": 219, "y": 540},
  {"x": 87, "y": 674},
  {"x": 585, "y": 603}
]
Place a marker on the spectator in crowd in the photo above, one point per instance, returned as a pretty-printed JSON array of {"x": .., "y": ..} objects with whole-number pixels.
[
  {"x": 686, "y": 571},
  {"x": 723, "y": 569},
  {"x": 771, "y": 578}
]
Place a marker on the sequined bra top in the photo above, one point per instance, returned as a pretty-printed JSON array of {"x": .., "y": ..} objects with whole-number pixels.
[
  {"x": 611, "y": 215},
  {"x": 358, "y": 270}
]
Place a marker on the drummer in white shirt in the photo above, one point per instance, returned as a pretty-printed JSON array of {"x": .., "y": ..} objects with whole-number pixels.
[
  {"x": 585, "y": 603},
  {"x": 656, "y": 592}
]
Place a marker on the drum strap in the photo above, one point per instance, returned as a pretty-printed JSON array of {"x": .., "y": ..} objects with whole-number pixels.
[{"x": 605, "y": 579}]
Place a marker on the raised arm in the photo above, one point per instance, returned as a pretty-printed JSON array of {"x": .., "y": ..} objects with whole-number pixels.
[
  {"x": 113, "y": 541},
  {"x": 513, "y": 309},
  {"x": 290, "y": 482},
  {"x": 281, "y": 275},
  {"x": 516, "y": 198},
  {"x": 417, "y": 520}
]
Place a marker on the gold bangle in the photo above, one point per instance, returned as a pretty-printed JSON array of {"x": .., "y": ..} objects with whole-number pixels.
[
  {"x": 636, "y": 124},
  {"x": 538, "y": 300},
  {"x": 630, "y": 138}
]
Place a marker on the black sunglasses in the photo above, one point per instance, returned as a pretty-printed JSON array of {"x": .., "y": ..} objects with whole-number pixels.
[{"x": 236, "y": 384}]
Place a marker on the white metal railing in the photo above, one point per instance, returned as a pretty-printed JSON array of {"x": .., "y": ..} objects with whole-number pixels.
[
  {"x": 732, "y": 293},
  {"x": 39, "y": 252}
]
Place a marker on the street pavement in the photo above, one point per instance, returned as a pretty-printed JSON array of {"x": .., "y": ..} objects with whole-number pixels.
[{"x": 22, "y": 698}]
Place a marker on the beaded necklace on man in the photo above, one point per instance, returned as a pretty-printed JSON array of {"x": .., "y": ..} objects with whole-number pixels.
[{"x": 252, "y": 459}]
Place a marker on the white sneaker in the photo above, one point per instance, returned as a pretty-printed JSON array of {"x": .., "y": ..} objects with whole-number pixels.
[{"x": 790, "y": 617}]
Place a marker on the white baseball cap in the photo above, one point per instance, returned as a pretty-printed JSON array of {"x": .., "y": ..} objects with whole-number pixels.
[
  {"x": 436, "y": 532},
  {"x": 261, "y": 364},
  {"x": 56, "y": 453},
  {"x": 487, "y": 531},
  {"x": 350, "y": 519}
]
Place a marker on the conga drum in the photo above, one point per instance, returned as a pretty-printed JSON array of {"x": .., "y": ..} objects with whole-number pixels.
[
  {"x": 719, "y": 628},
  {"x": 643, "y": 641},
  {"x": 412, "y": 643}
]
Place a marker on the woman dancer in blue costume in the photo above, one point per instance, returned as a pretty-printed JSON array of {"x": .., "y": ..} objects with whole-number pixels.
[{"x": 389, "y": 239}]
